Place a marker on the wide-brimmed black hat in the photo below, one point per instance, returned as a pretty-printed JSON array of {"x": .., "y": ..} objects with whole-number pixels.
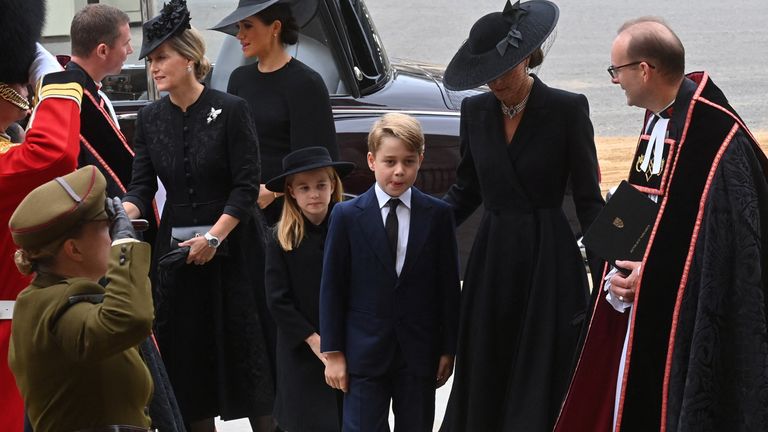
[
  {"x": 303, "y": 11},
  {"x": 307, "y": 159},
  {"x": 173, "y": 19},
  {"x": 21, "y": 22},
  {"x": 499, "y": 41}
]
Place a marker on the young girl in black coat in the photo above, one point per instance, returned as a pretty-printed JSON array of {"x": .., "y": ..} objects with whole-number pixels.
[{"x": 311, "y": 182}]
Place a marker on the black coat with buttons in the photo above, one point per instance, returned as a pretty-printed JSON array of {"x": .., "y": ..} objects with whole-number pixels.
[
  {"x": 304, "y": 402},
  {"x": 207, "y": 319}
]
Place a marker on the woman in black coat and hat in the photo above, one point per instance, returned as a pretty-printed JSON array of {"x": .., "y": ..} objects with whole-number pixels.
[
  {"x": 525, "y": 291},
  {"x": 201, "y": 143}
]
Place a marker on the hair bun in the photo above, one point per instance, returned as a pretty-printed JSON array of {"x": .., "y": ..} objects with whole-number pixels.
[{"x": 22, "y": 261}]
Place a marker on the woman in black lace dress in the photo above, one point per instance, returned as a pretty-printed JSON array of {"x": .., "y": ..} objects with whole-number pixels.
[{"x": 201, "y": 143}]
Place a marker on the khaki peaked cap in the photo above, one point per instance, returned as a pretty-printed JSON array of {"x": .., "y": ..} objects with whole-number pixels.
[{"x": 50, "y": 211}]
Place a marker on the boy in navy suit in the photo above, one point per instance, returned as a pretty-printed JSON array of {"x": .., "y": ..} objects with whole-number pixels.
[{"x": 389, "y": 296}]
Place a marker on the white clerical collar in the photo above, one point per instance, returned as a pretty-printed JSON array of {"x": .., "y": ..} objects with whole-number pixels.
[
  {"x": 665, "y": 108},
  {"x": 655, "y": 148}
]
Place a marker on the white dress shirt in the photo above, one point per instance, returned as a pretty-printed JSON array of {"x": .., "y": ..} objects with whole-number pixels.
[{"x": 403, "y": 221}]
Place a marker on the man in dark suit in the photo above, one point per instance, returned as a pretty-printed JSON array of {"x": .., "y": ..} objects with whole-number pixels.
[
  {"x": 389, "y": 297},
  {"x": 101, "y": 41}
]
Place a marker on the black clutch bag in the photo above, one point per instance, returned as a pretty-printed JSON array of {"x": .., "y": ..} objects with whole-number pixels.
[
  {"x": 182, "y": 234},
  {"x": 622, "y": 229}
]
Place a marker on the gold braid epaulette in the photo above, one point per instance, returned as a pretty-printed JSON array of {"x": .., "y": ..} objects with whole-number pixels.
[
  {"x": 70, "y": 90},
  {"x": 6, "y": 145},
  {"x": 12, "y": 96}
]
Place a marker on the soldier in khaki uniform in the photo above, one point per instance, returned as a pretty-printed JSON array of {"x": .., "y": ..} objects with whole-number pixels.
[{"x": 74, "y": 343}]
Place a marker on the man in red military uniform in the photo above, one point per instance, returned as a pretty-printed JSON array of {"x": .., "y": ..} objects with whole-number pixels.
[{"x": 49, "y": 150}]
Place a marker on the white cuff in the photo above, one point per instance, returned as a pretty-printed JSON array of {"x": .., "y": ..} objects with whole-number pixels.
[{"x": 617, "y": 304}]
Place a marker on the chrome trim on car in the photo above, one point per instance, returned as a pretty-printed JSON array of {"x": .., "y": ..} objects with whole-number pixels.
[
  {"x": 129, "y": 116},
  {"x": 357, "y": 111},
  {"x": 378, "y": 111}
]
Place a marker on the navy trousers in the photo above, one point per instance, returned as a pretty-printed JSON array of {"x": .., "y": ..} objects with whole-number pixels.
[{"x": 366, "y": 404}]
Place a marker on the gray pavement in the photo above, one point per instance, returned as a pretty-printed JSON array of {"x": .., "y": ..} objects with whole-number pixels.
[
  {"x": 727, "y": 39},
  {"x": 441, "y": 399}
]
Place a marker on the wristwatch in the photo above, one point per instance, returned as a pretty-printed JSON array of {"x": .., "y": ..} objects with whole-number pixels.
[{"x": 213, "y": 241}]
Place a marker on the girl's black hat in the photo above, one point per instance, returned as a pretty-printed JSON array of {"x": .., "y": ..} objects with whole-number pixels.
[{"x": 307, "y": 159}]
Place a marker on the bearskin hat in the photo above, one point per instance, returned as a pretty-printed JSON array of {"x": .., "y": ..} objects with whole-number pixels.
[{"x": 21, "y": 23}]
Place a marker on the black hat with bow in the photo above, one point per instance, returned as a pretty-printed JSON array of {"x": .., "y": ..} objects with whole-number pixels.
[
  {"x": 499, "y": 41},
  {"x": 173, "y": 19}
]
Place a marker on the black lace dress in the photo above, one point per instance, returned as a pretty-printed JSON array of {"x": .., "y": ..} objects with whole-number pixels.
[{"x": 207, "y": 320}]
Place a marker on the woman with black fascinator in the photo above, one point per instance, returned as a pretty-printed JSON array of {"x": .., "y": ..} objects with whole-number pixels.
[
  {"x": 525, "y": 292},
  {"x": 201, "y": 143}
]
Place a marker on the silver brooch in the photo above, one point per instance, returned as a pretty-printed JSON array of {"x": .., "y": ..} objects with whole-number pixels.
[{"x": 213, "y": 114}]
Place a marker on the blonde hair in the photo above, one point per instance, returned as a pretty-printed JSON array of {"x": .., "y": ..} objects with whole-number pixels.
[
  {"x": 29, "y": 262},
  {"x": 190, "y": 45},
  {"x": 290, "y": 227},
  {"x": 397, "y": 125}
]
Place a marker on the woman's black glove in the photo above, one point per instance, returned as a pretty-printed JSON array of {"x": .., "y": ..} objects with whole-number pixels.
[{"x": 121, "y": 227}]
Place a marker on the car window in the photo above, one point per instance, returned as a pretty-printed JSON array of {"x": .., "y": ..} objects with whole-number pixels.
[
  {"x": 367, "y": 50},
  {"x": 314, "y": 48}
]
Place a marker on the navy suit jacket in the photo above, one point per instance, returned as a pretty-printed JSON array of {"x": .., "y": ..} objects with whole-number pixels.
[{"x": 366, "y": 310}]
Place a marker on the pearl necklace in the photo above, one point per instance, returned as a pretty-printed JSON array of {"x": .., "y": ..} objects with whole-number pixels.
[{"x": 512, "y": 111}]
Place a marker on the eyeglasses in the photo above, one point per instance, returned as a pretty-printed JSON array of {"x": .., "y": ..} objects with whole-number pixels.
[{"x": 613, "y": 71}]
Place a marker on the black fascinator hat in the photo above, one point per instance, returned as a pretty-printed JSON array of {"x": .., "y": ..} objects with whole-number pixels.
[
  {"x": 499, "y": 41},
  {"x": 173, "y": 19}
]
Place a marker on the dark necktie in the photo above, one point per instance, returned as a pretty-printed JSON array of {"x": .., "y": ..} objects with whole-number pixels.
[{"x": 391, "y": 225}]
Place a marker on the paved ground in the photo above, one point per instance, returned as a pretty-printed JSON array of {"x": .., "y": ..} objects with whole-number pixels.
[
  {"x": 440, "y": 400},
  {"x": 728, "y": 39}
]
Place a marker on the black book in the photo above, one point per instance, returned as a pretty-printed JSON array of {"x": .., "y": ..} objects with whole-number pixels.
[{"x": 622, "y": 228}]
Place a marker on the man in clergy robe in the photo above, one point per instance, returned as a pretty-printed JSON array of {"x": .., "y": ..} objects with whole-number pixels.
[{"x": 681, "y": 343}]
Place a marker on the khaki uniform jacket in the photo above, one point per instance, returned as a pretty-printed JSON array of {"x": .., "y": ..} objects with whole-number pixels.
[{"x": 78, "y": 365}]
